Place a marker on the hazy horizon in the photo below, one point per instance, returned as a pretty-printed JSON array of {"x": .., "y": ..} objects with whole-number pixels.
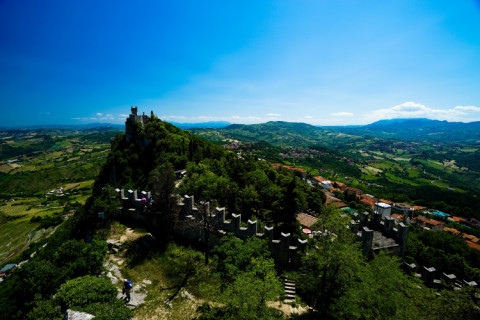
[{"x": 322, "y": 63}]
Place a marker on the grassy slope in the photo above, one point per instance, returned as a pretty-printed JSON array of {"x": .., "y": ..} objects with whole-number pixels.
[{"x": 38, "y": 173}]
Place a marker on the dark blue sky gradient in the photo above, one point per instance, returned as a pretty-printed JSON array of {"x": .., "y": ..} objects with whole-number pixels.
[{"x": 321, "y": 62}]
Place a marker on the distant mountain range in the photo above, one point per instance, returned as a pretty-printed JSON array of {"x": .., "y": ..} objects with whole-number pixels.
[
  {"x": 210, "y": 124},
  {"x": 419, "y": 130}
]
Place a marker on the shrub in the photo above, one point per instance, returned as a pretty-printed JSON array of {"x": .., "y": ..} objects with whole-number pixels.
[{"x": 85, "y": 290}]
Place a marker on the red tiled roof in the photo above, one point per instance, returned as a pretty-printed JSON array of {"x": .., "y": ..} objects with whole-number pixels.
[
  {"x": 422, "y": 219},
  {"x": 397, "y": 216},
  {"x": 456, "y": 219},
  {"x": 451, "y": 230},
  {"x": 386, "y": 201},
  {"x": 418, "y": 208},
  {"x": 368, "y": 202},
  {"x": 471, "y": 238},
  {"x": 277, "y": 165},
  {"x": 340, "y": 204},
  {"x": 436, "y": 223},
  {"x": 430, "y": 222},
  {"x": 473, "y": 245},
  {"x": 340, "y": 185},
  {"x": 354, "y": 190}
]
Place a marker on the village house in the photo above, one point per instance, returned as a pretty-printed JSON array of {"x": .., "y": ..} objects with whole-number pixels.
[{"x": 429, "y": 223}]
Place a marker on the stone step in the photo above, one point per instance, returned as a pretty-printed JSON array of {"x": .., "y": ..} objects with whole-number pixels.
[
  {"x": 289, "y": 285},
  {"x": 290, "y": 296},
  {"x": 290, "y": 292}
]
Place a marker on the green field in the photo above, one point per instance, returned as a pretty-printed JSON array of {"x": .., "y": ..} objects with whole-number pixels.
[{"x": 42, "y": 164}]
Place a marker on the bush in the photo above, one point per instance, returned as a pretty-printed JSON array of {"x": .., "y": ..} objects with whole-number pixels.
[{"x": 86, "y": 290}]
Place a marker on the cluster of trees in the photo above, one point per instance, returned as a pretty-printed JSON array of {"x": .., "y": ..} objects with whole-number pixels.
[
  {"x": 330, "y": 159},
  {"x": 47, "y": 221},
  {"x": 445, "y": 251},
  {"x": 339, "y": 283},
  {"x": 249, "y": 280},
  {"x": 252, "y": 188},
  {"x": 60, "y": 258}
]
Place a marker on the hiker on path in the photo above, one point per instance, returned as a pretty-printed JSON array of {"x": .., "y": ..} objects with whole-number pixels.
[{"x": 127, "y": 285}]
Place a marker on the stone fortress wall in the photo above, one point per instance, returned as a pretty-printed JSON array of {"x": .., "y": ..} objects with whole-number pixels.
[{"x": 286, "y": 250}]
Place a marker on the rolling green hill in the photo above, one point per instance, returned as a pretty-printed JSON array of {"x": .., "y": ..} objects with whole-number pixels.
[{"x": 419, "y": 130}]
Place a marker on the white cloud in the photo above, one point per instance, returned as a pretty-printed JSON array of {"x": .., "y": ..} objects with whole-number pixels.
[
  {"x": 308, "y": 117},
  {"x": 412, "y": 109},
  {"x": 123, "y": 115},
  {"x": 99, "y": 114},
  {"x": 273, "y": 114},
  {"x": 467, "y": 108},
  {"x": 175, "y": 117},
  {"x": 342, "y": 114}
]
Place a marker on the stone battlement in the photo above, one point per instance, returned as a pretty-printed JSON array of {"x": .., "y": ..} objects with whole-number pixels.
[
  {"x": 389, "y": 234},
  {"x": 285, "y": 250}
]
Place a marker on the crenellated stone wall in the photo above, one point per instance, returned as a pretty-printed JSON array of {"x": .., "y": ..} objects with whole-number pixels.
[
  {"x": 370, "y": 225},
  {"x": 285, "y": 250},
  {"x": 433, "y": 278}
]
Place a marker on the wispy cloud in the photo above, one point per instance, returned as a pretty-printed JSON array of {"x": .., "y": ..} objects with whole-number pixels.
[
  {"x": 467, "y": 108},
  {"x": 273, "y": 114},
  {"x": 342, "y": 114},
  {"x": 98, "y": 117}
]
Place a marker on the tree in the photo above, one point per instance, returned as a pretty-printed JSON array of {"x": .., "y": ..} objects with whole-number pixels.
[
  {"x": 208, "y": 224},
  {"x": 246, "y": 297},
  {"x": 205, "y": 221},
  {"x": 331, "y": 262},
  {"x": 45, "y": 310},
  {"x": 106, "y": 202},
  {"x": 233, "y": 255},
  {"x": 249, "y": 278},
  {"x": 379, "y": 291},
  {"x": 164, "y": 206}
]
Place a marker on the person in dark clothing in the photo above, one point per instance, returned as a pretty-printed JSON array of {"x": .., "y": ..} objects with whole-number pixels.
[{"x": 127, "y": 285}]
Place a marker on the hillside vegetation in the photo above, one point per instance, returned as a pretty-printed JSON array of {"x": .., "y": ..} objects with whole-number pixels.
[
  {"x": 419, "y": 130},
  {"x": 441, "y": 176}
]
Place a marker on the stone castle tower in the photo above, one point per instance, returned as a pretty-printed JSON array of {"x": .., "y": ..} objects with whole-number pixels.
[{"x": 132, "y": 118}]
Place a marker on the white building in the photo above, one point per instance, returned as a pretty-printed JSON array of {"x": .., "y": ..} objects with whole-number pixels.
[
  {"x": 326, "y": 184},
  {"x": 383, "y": 208}
]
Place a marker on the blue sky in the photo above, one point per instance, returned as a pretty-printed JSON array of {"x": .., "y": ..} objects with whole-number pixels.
[{"x": 320, "y": 62}]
